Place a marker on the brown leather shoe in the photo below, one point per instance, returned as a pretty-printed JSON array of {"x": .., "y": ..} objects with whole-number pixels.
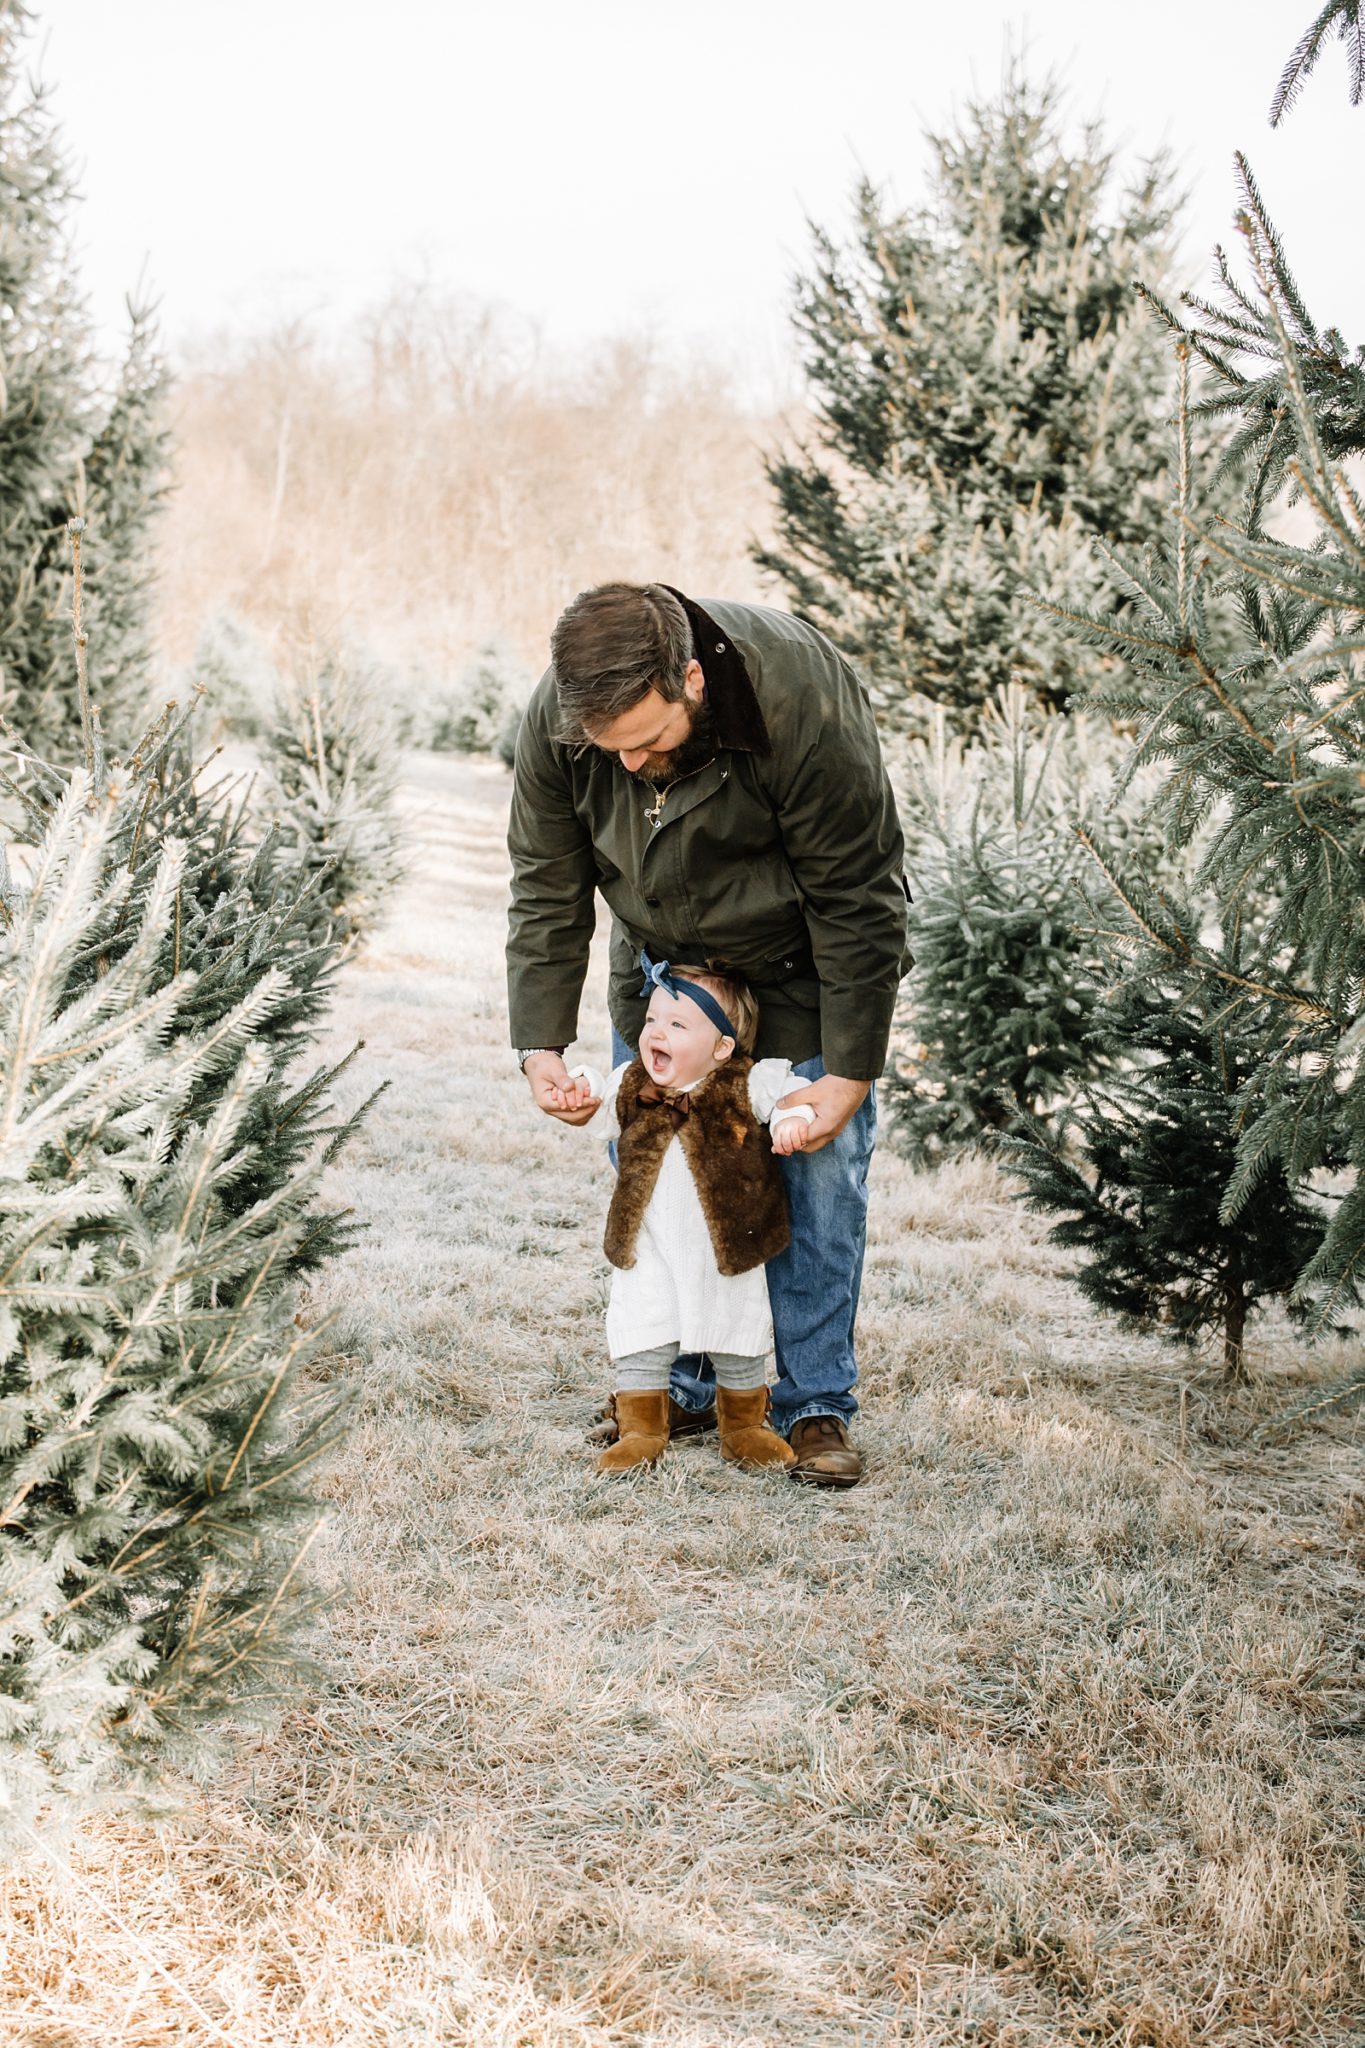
[
  {"x": 747, "y": 1437},
  {"x": 824, "y": 1455},
  {"x": 681, "y": 1422}
]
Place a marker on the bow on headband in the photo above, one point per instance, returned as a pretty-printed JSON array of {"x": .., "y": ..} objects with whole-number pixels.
[{"x": 658, "y": 975}]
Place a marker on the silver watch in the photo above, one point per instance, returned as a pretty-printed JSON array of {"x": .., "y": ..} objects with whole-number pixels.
[{"x": 524, "y": 1053}]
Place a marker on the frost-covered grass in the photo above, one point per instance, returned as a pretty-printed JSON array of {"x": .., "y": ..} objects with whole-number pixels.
[{"x": 1046, "y": 1734}]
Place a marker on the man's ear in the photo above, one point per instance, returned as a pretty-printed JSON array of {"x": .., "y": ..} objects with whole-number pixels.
[
  {"x": 694, "y": 682},
  {"x": 724, "y": 1048}
]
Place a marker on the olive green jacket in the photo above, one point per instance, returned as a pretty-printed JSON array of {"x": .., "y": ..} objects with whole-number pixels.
[{"x": 781, "y": 858}]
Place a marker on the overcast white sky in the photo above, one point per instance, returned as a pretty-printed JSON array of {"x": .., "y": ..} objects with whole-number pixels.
[{"x": 609, "y": 165}]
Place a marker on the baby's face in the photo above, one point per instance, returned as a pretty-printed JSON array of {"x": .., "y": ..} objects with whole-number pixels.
[{"x": 679, "y": 1043}]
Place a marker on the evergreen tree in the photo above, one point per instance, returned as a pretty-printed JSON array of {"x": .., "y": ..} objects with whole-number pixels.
[
  {"x": 332, "y": 754},
  {"x": 45, "y": 411},
  {"x": 1266, "y": 742},
  {"x": 987, "y": 400},
  {"x": 234, "y": 667},
  {"x": 1346, "y": 17},
  {"x": 64, "y": 450},
  {"x": 484, "y": 706},
  {"x": 125, "y": 471},
  {"x": 1006, "y": 970},
  {"x": 160, "y": 981},
  {"x": 1140, "y": 1165}
]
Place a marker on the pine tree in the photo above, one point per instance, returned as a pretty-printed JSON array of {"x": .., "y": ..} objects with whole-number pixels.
[
  {"x": 234, "y": 667},
  {"x": 160, "y": 981},
  {"x": 1006, "y": 971},
  {"x": 1139, "y": 1166},
  {"x": 332, "y": 754},
  {"x": 483, "y": 707},
  {"x": 125, "y": 471},
  {"x": 1265, "y": 744},
  {"x": 987, "y": 399},
  {"x": 45, "y": 411},
  {"x": 64, "y": 449},
  {"x": 1347, "y": 18}
]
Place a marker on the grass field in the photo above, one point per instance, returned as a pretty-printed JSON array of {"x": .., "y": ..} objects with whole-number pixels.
[{"x": 1048, "y": 1733}]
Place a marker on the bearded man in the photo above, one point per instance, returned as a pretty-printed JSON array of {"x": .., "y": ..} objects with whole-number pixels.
[{"x": 714, "y": 770}]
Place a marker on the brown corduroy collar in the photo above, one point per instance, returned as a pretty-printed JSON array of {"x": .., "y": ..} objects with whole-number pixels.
[{"x": 734, "y": 704}]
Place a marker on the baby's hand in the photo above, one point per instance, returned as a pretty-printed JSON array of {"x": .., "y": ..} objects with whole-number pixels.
[
  {"x": 576, "y": 1093},
  {"x": 789, "y": 1128}
]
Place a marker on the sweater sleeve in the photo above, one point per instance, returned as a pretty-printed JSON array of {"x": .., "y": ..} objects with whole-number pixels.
[
  {"x": 607, "y": 1091},
  {"x": 769, "y": 1082}
]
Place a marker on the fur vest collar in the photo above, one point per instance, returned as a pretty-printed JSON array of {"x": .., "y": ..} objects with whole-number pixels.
[{"x": 729, "y": 1155}]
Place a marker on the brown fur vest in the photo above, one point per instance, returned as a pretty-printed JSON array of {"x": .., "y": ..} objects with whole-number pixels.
[{"x": 731, "y": 1160}]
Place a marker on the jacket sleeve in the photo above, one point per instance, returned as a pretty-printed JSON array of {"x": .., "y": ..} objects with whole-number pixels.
[
  {"x": 846, "y": 851},
  {"x": 551, "y": 916}
]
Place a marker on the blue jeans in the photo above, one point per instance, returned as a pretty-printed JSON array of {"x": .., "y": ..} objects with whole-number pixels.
[{"x": 814, "y": 1285}]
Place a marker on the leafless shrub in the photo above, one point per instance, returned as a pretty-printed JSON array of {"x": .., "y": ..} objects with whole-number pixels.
[{"x": 431, "y": 483}]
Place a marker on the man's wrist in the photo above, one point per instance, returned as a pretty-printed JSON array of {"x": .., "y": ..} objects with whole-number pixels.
[
  {"x": 528, "y": 1052},
  {"x": 846, "y": 1080}
]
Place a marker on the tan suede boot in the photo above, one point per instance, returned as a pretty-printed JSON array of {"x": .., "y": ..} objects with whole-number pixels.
[
  {"x": 643, "y": 1422},
  {"x": 746, "y": 1437},
  {"x": 681, "y": 1422}
]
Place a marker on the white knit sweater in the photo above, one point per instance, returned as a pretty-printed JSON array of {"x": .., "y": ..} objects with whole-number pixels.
[{"x": 675, "y": 1293}]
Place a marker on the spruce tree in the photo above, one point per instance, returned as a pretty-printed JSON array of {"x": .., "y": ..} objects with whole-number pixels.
[
  {"x": 124, "y": 477},
  {"x": 65, "y": 448},
  {"x": 485, "y": 705},
  {"x": 987, "y": 399},
  {"x": 1139, "y": 1164},
  {"x": 45, "y": 410},
  {"x": 1347, "y": 17},
  {"x": 1265, "y": 748},
  {"x": 1006, "y": 971},
  {"x": 160, "y": 1149},
  {"x": 234, "y": 667},
  {"x": 332, "y": 756}
]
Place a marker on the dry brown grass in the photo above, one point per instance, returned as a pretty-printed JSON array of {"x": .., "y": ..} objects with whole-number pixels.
[
  {"x": 1046, "y": 1734},
  {"x": 430, "y": 484}
]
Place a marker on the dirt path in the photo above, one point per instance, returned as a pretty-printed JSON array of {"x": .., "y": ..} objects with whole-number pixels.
[{"x": 1042, "y": 1735}]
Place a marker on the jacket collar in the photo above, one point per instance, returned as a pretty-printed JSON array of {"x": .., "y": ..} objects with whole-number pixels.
[{"x": 731, "y": 695}]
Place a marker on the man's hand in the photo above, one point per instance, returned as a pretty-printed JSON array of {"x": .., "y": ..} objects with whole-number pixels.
[
  {"x": 569, "y": 1101},
  {"x": 834, "y": 1101}
]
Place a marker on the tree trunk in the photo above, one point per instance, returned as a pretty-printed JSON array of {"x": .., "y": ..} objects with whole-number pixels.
[{"x": 1235, "y": 1373}]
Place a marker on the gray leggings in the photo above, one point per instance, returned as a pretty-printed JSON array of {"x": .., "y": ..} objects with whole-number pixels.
[{"x": 647, "y": 1372}]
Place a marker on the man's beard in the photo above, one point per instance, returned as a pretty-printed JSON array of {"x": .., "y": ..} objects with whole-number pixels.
[{"x": 694, "y": 752}]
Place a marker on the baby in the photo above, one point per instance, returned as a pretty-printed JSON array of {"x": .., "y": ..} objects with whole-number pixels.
[{"x": 697, "y": 1210}]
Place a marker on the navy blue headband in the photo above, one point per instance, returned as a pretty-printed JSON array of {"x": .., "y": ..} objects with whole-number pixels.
[{"x": 658, "y": 975}]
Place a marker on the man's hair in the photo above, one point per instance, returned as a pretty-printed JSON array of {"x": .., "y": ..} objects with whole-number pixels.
[
  {"x": 611, "y": 647},
  {"x": 734, "y": 995}
]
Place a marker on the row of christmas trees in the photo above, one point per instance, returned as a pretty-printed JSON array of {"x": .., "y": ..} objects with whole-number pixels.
[
  {"x": 1140, "y": 929},
  {"x": 167, "y": 951},
  {"x": 166, "y": 961}
]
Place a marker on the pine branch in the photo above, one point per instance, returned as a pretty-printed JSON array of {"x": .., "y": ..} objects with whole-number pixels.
[{"x": 1346, "y": 17}]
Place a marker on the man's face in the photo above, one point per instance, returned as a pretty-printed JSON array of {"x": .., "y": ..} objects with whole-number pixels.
[{"x": 651, "y": 739}]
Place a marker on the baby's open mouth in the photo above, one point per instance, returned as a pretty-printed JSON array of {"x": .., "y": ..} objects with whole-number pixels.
[{"x": 659, "y": 1062}]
